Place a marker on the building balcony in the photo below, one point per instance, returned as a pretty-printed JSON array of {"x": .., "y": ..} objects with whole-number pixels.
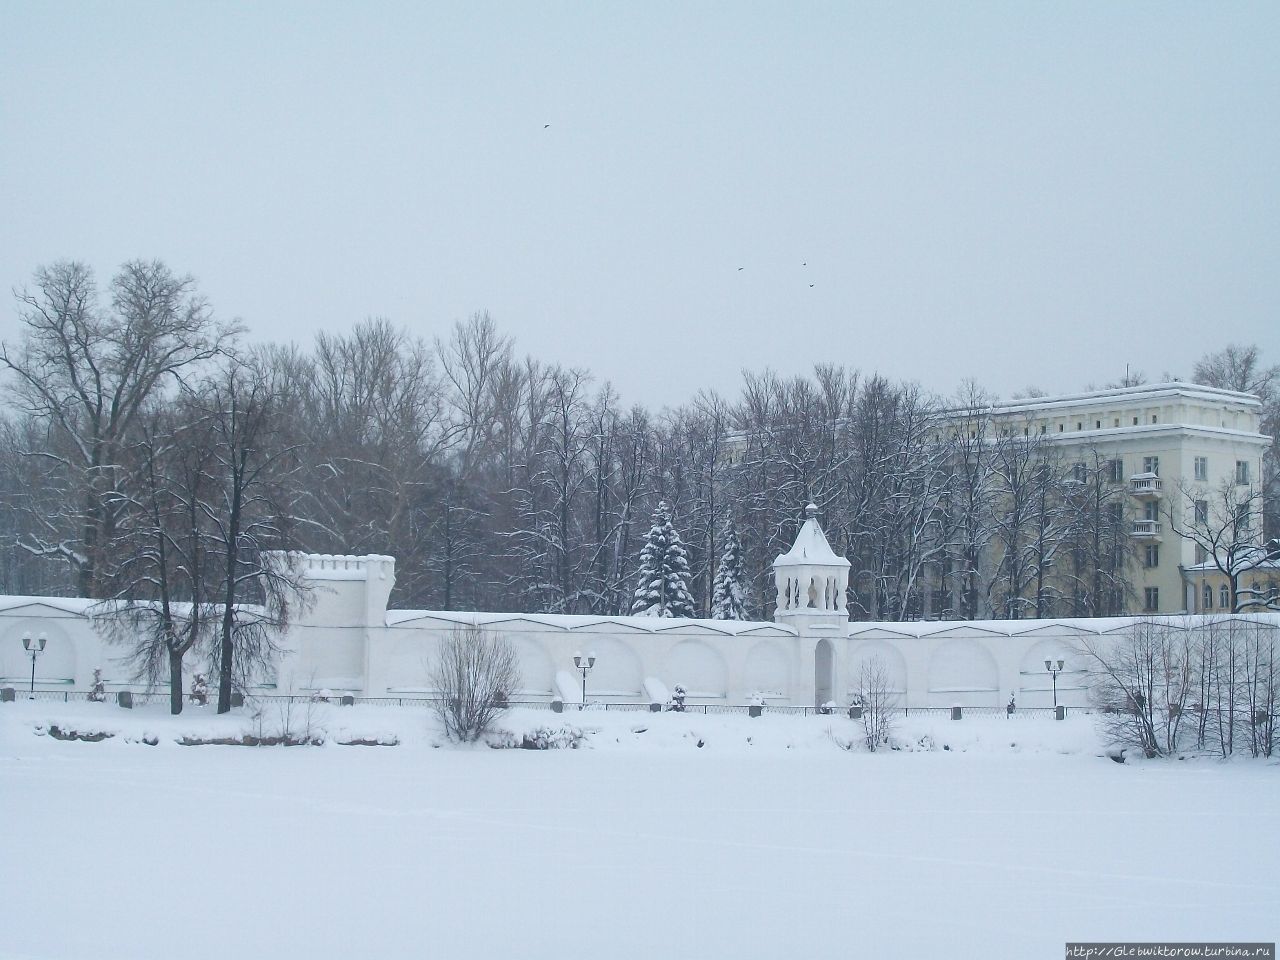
[
  {"x": 1146, "y": 528},
  {"x": 1146, "y": 485}
]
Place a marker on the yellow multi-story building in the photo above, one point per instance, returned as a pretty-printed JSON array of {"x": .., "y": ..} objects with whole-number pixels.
[
  {"x": 1176, "y": 448},
  {"x": 1167, "y": 451}
]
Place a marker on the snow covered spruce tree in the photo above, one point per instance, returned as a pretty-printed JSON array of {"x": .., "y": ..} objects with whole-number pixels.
[
  {"x": 729, "y": 593},
  {"x": 663, "y": 589}
]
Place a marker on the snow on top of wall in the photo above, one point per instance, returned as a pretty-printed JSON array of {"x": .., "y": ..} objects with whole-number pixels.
[
  {"x": 921, "y": 629},
  {"x": 74, "y": 606},
  {"x": 81, "y": 607},
  {"x": 336, "y": 566},
  {"x": 585, "y": 622}
]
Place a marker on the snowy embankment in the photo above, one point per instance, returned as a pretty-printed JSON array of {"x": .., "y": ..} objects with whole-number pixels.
[
  {"x": 1006, "y": 839},
  {"x": 412, "y": 728}
]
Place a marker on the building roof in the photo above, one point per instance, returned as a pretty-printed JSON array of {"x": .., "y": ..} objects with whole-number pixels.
[
  {"x": 1147, "y": 393},
  {"x": 811, "y": 546},
  {"x": 1250, "y": 559}
]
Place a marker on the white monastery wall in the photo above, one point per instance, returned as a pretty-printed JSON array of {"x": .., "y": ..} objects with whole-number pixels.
[{"x": 348, "y": 642}]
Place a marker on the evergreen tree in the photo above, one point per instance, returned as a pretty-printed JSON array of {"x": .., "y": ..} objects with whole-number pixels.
[
  {"x": 663, "y": 590},
  {"x": 729, "y": 596}
]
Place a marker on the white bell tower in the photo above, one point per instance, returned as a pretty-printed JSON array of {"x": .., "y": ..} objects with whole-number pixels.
[
  {"x": 810, "y": 578},
  {"x": 812, "y": 582}
]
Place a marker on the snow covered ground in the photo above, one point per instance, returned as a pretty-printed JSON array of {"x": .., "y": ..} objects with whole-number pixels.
[{"x": 768, "y": 840}]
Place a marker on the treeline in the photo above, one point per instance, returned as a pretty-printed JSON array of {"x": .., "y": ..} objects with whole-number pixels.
[
  {"x": 502, "y": 482},
  {"x": 1169, "y": 685}
]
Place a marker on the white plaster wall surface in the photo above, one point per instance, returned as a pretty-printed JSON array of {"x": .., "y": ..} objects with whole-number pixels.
[{"x": 348, "y": 641}]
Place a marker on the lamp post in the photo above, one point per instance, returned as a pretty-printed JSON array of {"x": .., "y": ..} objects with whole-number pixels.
[
  {"x": 584, "y": 665},
  {"x": 35, "y": 648},
  {"x": 1054, "y": 668}
]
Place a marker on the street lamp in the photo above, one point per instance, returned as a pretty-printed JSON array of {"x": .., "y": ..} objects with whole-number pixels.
[
  {"x": 1054, "y": 668},
  {"x": 584, "y": 665},
  {"x": 35, "y": 648}
]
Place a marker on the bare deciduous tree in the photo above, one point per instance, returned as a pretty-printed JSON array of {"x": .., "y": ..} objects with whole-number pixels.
[
  {"x": 88, "y": 373},
  {"x": 1143, "y": 679},
  {"x": 879, "y": 701},
  {"x": 474, "y": 674},
  {"x": 1225, "y": 523}
]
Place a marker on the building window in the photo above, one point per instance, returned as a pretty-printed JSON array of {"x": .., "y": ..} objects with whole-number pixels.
[
  {"x": 1135, "y": 421},
  {"x": 1201, "y": 553},
  {"x": 1097, "y": 424},
  {"x": 1208, "y": 596},
  {"x": 1224, "y": 597},
  {"x": 1151, "y": 510},
  {"x": 1115, "y": 470},
  {"x": 1151, "y": 599},
  {"x": 1080, "y": 426},
  {"x": 1202, "y": 468},
  {"x": 1154, "y": 418},
  {"x": 1202, "y": 512},
  {"x": 1117, "y": 422},
  {"x": 1244, "y": 520},
  {"x": 1153, "y": 555},
  {"x": 1242, "y": 471},
  {"x": 941, "y": 603},
  {"x": 1078, "y": 473},
  {"x": 1151, "y": 465},
  {"x": 1044, "y": 428}
]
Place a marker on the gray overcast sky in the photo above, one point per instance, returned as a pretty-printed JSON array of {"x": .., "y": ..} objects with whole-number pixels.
[{"x": 1020, "y": 193}]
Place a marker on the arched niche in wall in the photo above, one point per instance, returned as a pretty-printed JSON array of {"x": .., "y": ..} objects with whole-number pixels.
[
  {"x": 537, "y": 674},
  {"x": 1035, "y": 683},
  {"x": 964, "y": 671},
  {"x": 870, "y": 654},
  {"x": 618, "y": 671},
  {"x": 409, "y": 657},
  {"x": 699, "y": 667},
  {"x": 767, "y": 669},
  {"x": 57, "y": 664}
]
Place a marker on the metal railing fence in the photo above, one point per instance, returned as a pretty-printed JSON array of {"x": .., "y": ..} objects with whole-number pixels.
[{"x": 703, "y": 709}]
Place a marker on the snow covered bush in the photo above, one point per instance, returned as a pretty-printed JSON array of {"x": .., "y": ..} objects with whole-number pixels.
[
  {"x": 539, "y": 738},
  {"x": 285, "y": 721},
  {"x": 553, "y": 738},
  {"x": 472, "y": 675},
  {"x": 663, "y": 588},
  {"x": 99, "y": 692},
  {"x": 879, "y": 703},
  {"x": 200, "y": 690},
  {"x": 676, "y": 703}
]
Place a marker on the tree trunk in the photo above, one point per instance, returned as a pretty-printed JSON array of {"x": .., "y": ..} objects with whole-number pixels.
[
  {"x": 175, "y": 682},
  {"x": 226, "y": 659}
]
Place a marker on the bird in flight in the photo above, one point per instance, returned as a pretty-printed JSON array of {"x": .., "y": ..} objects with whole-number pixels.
[
  {"x": 811, "y": 284},
  {"x": 545, "y": 126},
  {"x": 740, "y": 268}
]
